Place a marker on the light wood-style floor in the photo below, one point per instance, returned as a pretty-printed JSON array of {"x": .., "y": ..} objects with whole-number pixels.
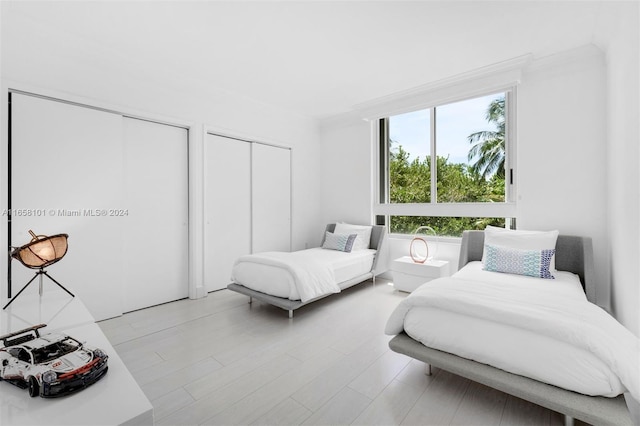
[{"x": 221, "y": 360}]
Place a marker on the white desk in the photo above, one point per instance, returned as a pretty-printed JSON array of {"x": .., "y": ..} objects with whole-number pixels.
[
  {"x": 408, "y": 275},
  {"x": 115, "y": 399}
]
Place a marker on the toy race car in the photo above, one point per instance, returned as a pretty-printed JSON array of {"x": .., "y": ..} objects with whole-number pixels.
[{"x": 49, "y": 365}]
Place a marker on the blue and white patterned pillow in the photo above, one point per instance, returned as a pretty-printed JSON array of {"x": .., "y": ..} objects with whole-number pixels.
[
  {"x": 341, "y": 242},
  {"x": 532, "y": 263}
]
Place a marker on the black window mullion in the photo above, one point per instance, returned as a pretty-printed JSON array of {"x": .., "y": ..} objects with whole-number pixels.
[{"x": 384, "y": 148}]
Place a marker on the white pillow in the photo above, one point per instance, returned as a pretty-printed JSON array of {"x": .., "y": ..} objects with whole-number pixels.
[
  {"x": 363, "y": 232},
  {"x": 520, "y": 239}
]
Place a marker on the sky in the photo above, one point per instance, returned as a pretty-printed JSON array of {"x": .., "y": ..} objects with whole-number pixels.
[{"x": 454, "y": 123}]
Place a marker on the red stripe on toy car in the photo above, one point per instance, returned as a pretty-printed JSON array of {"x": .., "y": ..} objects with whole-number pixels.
[{"x": 80, "y": 370}]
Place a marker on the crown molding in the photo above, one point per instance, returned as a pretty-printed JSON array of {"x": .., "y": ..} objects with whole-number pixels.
[
  {"x": 345, "y": 119},
  {"x": 475, "y": 82},
  {"x": 494, "y": 77},
  {"x": 577, "y": 57}
]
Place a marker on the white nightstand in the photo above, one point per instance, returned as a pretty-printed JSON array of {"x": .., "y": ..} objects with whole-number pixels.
[{"x": 408, "y": 275}]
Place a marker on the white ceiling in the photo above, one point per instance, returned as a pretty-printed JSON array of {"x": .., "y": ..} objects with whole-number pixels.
[{"x": 317, "y": 58}]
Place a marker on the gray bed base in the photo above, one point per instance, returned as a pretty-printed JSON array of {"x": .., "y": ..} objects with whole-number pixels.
[
  {"x": 377, "y": 237},
  {"x": 574, "y": 254},
  {"x": 596, "y": 410}
]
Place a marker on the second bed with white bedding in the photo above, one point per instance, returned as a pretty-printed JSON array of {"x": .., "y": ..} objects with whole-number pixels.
[
  {"x": 348, "y": 256},
  {"x": 536, "y": 328},
  {"x": 280, "y": 282}
]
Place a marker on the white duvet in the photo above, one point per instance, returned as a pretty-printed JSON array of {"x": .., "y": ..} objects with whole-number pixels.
[
  {"x": 301, "y": 275},
  {"x": 543, "y": 329},
  {"x": 310, "y": 278}
]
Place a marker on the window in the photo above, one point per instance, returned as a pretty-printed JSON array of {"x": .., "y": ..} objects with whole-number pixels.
[{"x": 448, "y": 166}]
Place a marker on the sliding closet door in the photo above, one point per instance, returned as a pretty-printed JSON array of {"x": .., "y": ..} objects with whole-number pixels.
[
  {"x": 227, "y": 207},
  {"x": 156, "y": 215},
  {"x": 67, "y": 173},
  {"x": 271, "y": 207}
]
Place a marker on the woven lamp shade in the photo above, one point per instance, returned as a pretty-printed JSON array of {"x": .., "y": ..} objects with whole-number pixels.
[{"x": 42, "y": 251}]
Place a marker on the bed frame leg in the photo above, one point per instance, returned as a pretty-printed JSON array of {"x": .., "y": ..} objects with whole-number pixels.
[
  {"x": 250, "y": 300},
  {"x": 290, "y": 313},
  {"x": 568, "y": 420},
  {"x": 427, "y": 369}
]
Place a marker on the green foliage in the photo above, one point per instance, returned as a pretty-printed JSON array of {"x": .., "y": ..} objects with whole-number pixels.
[
  {"x": 488, "y": 146},
  {"x": 444, "y": 226},
  {"x": 460, "y": 183},
  {"x": 410, "y": 182}
]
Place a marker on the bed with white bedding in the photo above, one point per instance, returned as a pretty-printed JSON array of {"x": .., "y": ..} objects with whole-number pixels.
[
  {"x": 291, "y": 280},
  {"x": 538, "y": 339}
]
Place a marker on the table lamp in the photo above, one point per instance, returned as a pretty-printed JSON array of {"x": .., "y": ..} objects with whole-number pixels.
[{"x": 39, "y": 253}]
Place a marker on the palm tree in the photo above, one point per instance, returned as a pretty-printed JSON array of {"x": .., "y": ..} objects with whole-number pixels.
[{"x": 488, "y": 145}]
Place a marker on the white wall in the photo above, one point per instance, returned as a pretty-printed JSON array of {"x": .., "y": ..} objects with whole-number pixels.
[
  {"x": 619, "y": 36},
  {"x": 346, "y": 159},
  {"x": 175, "y": 101},
  {"x": 561, "y": 145}
]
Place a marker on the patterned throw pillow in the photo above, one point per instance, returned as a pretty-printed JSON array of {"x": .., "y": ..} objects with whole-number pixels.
[
  {"x": 522, "y": 239},
  {"x": 341, "y": 242},
  {"x": 532, "y": 263}
]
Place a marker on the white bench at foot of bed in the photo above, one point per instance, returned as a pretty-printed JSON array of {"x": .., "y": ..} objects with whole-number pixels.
[{"x": 597, "y": 410}]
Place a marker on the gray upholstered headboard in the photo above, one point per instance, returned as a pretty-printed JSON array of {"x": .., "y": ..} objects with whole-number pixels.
[
  {"x": 377, "y": 238},
  {"x": 573, "y": 254},
  {"x": 377, "y": 235}
]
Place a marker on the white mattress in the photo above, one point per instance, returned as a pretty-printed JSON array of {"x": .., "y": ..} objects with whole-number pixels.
[
  {"x": 279, "y": 282},
  {"x": 514, "y": 349}
]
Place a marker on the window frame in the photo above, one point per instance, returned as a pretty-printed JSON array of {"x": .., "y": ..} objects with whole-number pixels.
[{"x": 507, "y": 209}]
